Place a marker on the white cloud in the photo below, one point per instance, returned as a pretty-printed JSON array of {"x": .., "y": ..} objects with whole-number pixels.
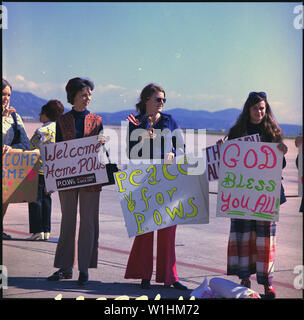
[
  {"x": 102, "y": 89},
  {"x": 19, "y": 77},
  {"x": 41, "y": 89}
]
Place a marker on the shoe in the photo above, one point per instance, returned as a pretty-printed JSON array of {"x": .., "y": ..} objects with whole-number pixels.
[
  {"x": 270, "y": 292},
  {"x": 177, "y": 285},
  {"x": 145, "y": 284},
  {"x": 61, "y": 274},
  {"x": 6, "y": 236},
  {"x": 46, "y": 236},
  {"x": 83, "y": 278},
  {"x": 36, "y": 236},
  {"x": 246, "y": 283}
]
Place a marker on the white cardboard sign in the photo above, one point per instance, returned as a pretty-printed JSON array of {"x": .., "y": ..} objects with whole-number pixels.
[
  {"x": 249, "y": 181},
  {"x": 213, "y": 156},
  {"x": 156, "y": 196},
  {"x": 72, "y": 164}
]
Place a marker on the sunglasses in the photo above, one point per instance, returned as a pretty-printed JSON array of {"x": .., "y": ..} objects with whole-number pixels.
[
  {"x": 161, "y": 100},
  {"x": 261, "y": 94}
]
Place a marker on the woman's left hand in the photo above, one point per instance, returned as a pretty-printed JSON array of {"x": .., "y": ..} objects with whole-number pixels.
[
  {"x": 6, "y": 111},
  {"x": 102, "y": 138},
  {"x": 282, "y": 147}
]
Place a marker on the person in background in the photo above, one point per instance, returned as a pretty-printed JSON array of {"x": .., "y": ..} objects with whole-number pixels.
[
  {"x": 76, "y": 124},
  {"x": 140, "y": 263},
  {"x": 298, "y": 143},
  {"x": 251, "y": 246},
  {"x": 13, "y": 132},
  {"x": 40, "y": 211}
]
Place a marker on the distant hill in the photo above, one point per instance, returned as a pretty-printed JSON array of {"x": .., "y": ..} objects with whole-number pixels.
[{"x": 29, "y": 105}]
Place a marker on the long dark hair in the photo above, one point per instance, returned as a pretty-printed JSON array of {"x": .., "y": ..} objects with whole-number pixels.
[
  {"x": 5, "y": 84},
  {"x": 145, "y": 95},
  {"x": 271, "y": 132}
]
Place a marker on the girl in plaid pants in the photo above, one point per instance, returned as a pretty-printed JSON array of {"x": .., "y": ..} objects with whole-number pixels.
[{"x": 251, "y": 246}]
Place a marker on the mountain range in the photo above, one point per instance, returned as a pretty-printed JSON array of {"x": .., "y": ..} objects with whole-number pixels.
[{"x": 29, "y": 105}]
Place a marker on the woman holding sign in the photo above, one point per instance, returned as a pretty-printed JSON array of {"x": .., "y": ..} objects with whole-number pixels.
[
  {"x": 251, "y": 246},
  {"x": 140, "y": 263},
  {"x": 75, "y": 124},
  {"x": 13, "y": 132}
]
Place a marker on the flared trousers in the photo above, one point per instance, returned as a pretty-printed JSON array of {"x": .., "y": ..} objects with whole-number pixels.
[
  {"x": 88, "y": 229},
  {"x": 140, "y": 263}
]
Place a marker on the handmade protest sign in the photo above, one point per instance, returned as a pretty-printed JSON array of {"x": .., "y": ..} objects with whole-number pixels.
[
  {"x": 213, "y": 156},
  {"x": 249, "y": 181},
  {"x": 73, "y": 164},
  {"x": 19, "y": 176},
  {"x": 156, "y": 196}
]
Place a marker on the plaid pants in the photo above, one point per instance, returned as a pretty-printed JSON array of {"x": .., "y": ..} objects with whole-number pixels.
[{"x": 251, "y": 249}]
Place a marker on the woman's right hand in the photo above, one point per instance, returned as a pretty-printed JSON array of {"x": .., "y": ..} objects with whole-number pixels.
[
  {"x": 219, "y": 142},
  {"x": 6, "y": 148}
]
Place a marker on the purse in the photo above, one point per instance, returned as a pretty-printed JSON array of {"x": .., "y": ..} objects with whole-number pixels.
[{"x": 111, "y": 169}]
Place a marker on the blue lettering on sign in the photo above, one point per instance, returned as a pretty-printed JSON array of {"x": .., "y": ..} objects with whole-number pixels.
[
  {"x": 14, "y": 160},
  {"x": 23, "y": 159}
]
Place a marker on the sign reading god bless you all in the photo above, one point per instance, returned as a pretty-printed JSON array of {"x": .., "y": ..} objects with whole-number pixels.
[
  {"x": 213, "y": 156},
  {"x": 73, "y": 164},
  {"x": 249, "y": 180},
  {"x": 156, "y": 196},
  {"x": 20, "y": 176}
]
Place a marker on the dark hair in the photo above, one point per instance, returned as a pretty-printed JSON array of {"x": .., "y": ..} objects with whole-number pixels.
[
  {"x": 52, "y": 109},
  {"x": 5, "y": 83},
  {"x": 271, "y": 131},
  {"x": 76, "y": 84},
  {"x": 145, "y": 95}
]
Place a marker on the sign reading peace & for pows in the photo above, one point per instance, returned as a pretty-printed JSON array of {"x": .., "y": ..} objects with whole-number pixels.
[{"x": 156, "y": 196}]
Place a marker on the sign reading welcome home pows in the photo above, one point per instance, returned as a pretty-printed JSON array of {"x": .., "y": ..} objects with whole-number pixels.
[{"x": 73, "y": 164}]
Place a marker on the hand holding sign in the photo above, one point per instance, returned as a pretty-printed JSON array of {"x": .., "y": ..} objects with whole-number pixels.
[{"x": 131, "y": 203}]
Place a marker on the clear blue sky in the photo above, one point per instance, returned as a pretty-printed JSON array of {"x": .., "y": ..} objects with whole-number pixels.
[{"x": 206, "y": 55}]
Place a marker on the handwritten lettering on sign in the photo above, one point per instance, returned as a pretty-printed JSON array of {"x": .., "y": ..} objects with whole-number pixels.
[
  {"x": 249, "y": 181},
  {"x": 213, "y": 156},
  {"x": 73, "y": 164},
  {"x": 156, "y": 196},
  {"x": 19, "y": 176}
]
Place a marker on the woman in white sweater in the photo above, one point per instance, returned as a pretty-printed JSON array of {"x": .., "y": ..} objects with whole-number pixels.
[{"x": 13, "y": 132}]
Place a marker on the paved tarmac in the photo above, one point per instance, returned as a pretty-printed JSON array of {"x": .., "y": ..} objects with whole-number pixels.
[{"x": 200, "y": 251}]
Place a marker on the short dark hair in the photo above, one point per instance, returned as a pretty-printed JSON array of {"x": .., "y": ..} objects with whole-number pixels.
[
  {"x": 5, "y": 84},
  {"x": 76, "y": 84},
  {"x": 52, "y": 109},
  {"x": 145, "y": 95}
]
